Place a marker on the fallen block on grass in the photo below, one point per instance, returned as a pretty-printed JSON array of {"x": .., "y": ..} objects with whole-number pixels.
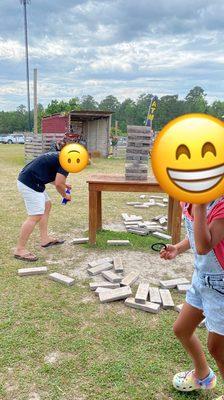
[
  {"x": 32, "y": 271},
  {"x": 101, "y": 290},
  {"x": 154, "y": 295},
  {"x": 118, "y": 264},
  {"x": 165, "y": 200},
  {"x": 129, "y": 279},
  {"x": 141, "y": 206},
  {"x": 163, "y": 221},
  {"x": 80, "y": 240},
  {"x": 161, "y": 204},
  {"x": 147, "y": 306},
  {"x": 178, "y": 308},
  {"x": 142, "y": 196},
  {"x": 105, "y": 285},
  {"x": 142, "y": 293},
  {"x": 157, "y": 218},
  {"x": 112, "y": 276},
  {"x": 133, "y": 203},
  {"x": 167, "y": 300},
  {"x": 140, "y": 232},
  {"x": 100, "y": 268},
  {"x": 156, "y": 197},
  {"x": 115, "y": 294},
  {"x": 92, "y": 264},
  {"x": 118, "y": 242},
  {"x": 172, "y": 283},
  {"x": 161, "y": 235},
  {"x": 183, "y": 288},
  {"x": 62, "y": 279}
]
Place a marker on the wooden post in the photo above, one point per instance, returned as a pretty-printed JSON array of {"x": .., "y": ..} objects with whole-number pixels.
[{"x": 35, "y": 102}]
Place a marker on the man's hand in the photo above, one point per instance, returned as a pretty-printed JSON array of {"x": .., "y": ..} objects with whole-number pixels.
[
  {"x": 169, "y": 253},
  {"x": 68, "y": 197}
]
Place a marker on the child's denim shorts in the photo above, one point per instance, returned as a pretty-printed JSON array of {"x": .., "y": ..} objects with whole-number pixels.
[{"x": 207, "y": 294}]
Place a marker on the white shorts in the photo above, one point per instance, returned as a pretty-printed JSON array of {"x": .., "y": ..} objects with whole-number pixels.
[{"x": 34, "y": 201}]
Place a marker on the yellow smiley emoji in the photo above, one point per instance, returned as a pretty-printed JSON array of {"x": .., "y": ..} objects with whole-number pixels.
[
  {"x": 73, "y": 157},
  {"x": 188, "y": 158}
]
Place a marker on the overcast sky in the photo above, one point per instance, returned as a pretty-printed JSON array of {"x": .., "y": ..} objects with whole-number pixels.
[{"x": 118, "y": 47}]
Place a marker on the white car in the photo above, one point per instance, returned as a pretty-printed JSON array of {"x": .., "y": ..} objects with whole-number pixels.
[{"x": 10, "y": 139}]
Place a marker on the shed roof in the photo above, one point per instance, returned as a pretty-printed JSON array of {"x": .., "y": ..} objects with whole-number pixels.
[{"x": 83, "y": 115}]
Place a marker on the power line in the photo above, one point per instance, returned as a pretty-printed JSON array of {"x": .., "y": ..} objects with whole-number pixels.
[{"x": 24, "y": 3}]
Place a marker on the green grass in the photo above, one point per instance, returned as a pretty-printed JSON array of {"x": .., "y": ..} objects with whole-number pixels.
[{"x": 106, "y": 351}]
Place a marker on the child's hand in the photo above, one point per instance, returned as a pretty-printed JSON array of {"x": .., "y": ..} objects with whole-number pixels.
[
  {"x": 169, "y": 253},
  {"x": 68, "y": 186},
  {"x": 68, "y": 197}
]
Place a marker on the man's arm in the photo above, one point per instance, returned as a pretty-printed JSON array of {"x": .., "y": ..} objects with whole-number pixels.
[
  {"x": 60, "y": 184},
  {"x": 206, "y": 236}
]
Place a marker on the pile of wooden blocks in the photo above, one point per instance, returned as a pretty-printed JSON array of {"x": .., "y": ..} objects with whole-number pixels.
[
  {"x": 115, "y": 286},
  {"x": 137, "y": 153},
  {"x": 135, "y": 224}
]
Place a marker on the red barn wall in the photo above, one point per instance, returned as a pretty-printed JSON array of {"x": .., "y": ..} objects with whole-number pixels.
[{"x": 55, "y": 124}]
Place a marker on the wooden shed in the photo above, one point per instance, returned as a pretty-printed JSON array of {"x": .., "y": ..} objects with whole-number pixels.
[{"x": 92, "y": 126}]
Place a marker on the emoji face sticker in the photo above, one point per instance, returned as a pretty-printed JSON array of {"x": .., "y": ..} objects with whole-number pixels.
[
  {"x": 188, "y": 158},
  {"x": 73, "y": 157}
]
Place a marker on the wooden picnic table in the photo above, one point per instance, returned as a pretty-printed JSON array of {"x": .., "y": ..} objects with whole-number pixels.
[{"x": 117, "y": 183}]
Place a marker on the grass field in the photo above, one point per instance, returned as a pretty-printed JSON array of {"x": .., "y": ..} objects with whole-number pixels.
[{"x": 59, "y": 343}]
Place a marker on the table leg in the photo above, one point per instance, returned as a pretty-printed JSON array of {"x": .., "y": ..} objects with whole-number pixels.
[
  {"x": 99, "y": 211},
  {"x": 92, "y": 216},
  {"x": 176, "y": 222},
  {"x": 170, "y": 214}
]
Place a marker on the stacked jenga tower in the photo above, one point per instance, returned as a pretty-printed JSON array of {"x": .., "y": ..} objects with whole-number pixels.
[{"x": 137, "y": 153}]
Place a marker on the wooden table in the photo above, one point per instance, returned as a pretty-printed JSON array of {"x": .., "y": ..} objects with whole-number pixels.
[{"x": 117, "y": 183}]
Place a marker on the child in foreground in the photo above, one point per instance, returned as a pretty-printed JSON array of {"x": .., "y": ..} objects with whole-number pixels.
[{"x": 205, "y": 298}]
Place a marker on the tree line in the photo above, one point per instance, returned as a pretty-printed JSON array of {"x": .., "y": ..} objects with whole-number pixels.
[{"x": 127, "y": 112}]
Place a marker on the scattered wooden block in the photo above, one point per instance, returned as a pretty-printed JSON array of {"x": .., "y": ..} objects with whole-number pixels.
[
  {"x": 111, "y": 276},
  {"x": 115, "y": 294},
  {"x": 124, "y": 216},
  {"x": 147, "y": 306},
  {"x": 129, "y": 279},
  {"x": 80, "y": 240},
  {"x": 157, "y": 218},
  {"x": 161, "y": 235},
  {"x": 154, "y": 295},
  {"x": 141, "y": 206},
  {"x": 167, "y": 300},
  {"x": 105, "y": 285},
  {"x": 161, "y": 204},
  {"x": 118, "y": 264},
  {"x": 142, "y": 196},
  {"x": 101, "y": 290},
  {"x": 172, "y": 283},
  {"x": 142, "y": 293},
  {"x": 92, "y": 264},
  {"x": 62, "y": 279},
  {"x": 156, "y": 197},
  {"x": 163, "y": 221},
  {"x": 183, "y": 288},
  {"x": 118, "y": 242},
  {"x": 202, "y": 324},
  {"x": 32, "y": 271},
  {"x": 133, "y": 203},
  {"x": 134, "y": 223},
  {"x": 140, "y": 232},
  {"x": 165, "y": 200},
  {"x": 178, "y": 308},
  {"x": 100, "y": 268}
]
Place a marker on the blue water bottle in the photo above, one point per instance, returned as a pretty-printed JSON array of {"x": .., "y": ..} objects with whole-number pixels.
[{"x": 64, "y": 200}]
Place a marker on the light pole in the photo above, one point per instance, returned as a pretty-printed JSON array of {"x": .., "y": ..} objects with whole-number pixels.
[{"x": 24, "y": 3}]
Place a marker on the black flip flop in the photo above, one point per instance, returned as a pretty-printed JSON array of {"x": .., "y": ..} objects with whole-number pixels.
[
  {"x": 24, "y": 258},
  {"x": 53, "y": 243},
  {"x": 158, "y": 246}
]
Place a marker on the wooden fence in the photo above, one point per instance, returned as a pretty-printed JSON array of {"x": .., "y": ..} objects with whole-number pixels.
[{"x": 39, "y": 144}]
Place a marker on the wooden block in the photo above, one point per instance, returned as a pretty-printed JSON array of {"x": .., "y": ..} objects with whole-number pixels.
[
  {"x": 141, "y": 206},
  {"x": 118, "y": 264},
  {"x": 178, "y": 308},
  {"x": 118, "y": 242},
  {"x": 147, "y": 306},
  {"x": 142, "y": 293},
  {"x": 161, "y": 235},
  {"x": 202, "y": 324},
  {"x": 105, "y": 285},
  {"x": 157, "y": 218},
  {"x": 80, "y": 240},
  {"x": 99, "y": 268},
  {"x": 165, "y": 200},
  {"x": 172, "y": 283},
  {"x": 183, "y": 288},
  {"x": 94, "y": 263},
  {"x": 142, "y": 196},
  {"x": 163, "y": 221},
  {"x": 124, "y": 216},
  {"x": 115, "y": 294},
  {"x": 154, "y": 295},
  {"x": 101, "y": 290},
  {"x": 131, "y": 223},
  {"x": 111, "y": 276},
  {"x": 129, "y": 279},
  {"x": 62, "y": 279},
  {"x": 167, "y": 300},
  {"x": 133, "y": 203},
  {"x": 32, "y": 271},
  {"x": 156, "y": 197},
  {"x": 160, "y": 204},
  {"x": 139, "y": 232}
]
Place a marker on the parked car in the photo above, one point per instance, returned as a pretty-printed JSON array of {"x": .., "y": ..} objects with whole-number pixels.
[
  {"x": 10, "y": 139},
  {"x": 2, "y": 138}
]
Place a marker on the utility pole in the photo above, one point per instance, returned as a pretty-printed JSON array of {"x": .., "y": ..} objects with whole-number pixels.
[
  {"x": 35, "y": 109},
  {"x": 24, "y": 3}
]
